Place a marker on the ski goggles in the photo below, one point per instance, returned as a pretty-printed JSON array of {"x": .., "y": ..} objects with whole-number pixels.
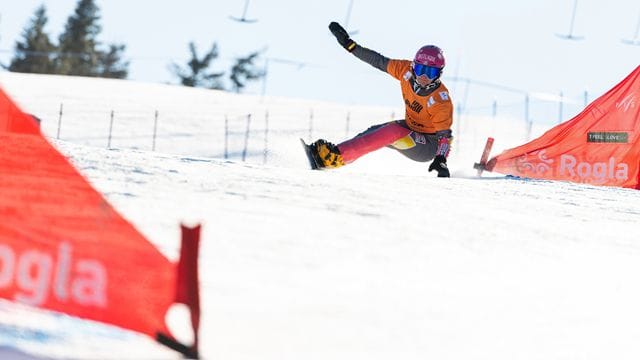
[{"x": 429, "y": 71}]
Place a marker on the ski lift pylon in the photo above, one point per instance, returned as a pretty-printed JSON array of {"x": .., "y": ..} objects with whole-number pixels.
[{"x": 243, "y": 18}]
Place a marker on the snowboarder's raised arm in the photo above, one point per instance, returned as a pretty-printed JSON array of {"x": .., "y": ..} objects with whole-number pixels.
[{"x": 371, "y": 57}]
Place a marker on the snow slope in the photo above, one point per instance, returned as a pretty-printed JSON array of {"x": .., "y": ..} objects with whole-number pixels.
[{"x": 376, "y": 260}]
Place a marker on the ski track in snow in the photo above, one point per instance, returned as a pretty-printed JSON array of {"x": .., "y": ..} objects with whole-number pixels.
[{"x": 376, "y": 260}]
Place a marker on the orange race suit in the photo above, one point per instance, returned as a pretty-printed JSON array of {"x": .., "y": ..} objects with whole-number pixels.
[{"x": 426, "y": 129}]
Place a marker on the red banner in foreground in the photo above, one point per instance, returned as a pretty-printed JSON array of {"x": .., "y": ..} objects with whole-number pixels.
[
  {"x": 63, "y": 247},
  {"x": 600, "y": 146}
]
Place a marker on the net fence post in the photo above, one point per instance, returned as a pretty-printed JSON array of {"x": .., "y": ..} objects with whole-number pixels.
[
  {"x": 226, "y": 137},
  {"x": 110, "y": 130},
  {"x": 246, "y": 138},
  {"x": 155, "y": 131},
  {"x": 266, "y": 137},
  {"x": 59, "y": 122}
]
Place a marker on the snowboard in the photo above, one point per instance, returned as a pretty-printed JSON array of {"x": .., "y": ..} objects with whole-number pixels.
[{"x": 309, "y": 152}]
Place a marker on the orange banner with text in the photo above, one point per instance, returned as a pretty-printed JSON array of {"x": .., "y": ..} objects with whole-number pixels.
[
  {"x": 599, "y": 146},
  {"x": 63, "y": 247}
]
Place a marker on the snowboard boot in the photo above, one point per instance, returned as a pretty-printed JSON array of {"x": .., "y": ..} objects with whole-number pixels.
[{"x": 327, "y": 155}]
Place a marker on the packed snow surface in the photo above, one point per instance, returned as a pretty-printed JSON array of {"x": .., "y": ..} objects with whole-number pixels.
[{"x": 376, "y": 260}]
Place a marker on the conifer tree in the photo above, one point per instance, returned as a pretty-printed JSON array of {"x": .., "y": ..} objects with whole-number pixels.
[
  {"x": 244, "y": 70},
  {"x": 195, "y": 74},
  {"x": 34, "y": 53},
  {"x": 111, "y": 64},
  {"x": 78, "y": 47},
  {"x": 77, "y": 44}
]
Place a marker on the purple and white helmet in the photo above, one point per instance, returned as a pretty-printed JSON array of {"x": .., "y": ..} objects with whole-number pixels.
[{"x": 430, "y": 55}]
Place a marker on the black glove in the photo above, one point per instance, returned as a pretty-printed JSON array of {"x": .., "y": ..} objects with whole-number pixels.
[
  {"x": 342, "y": 36},
  {"x": 439, "y": 164}
]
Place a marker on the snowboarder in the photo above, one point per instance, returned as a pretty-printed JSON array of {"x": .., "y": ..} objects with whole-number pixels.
[{"x": 425, "y": 132}]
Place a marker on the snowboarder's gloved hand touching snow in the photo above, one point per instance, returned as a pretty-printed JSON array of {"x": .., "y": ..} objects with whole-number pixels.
[
  {"x": 439, "y": 163},
  {"x": 342, "y": 36}
]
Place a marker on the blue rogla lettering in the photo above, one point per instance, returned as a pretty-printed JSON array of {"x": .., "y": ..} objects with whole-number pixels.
[
  {"x": 39, "y": 275},
  {"x": 599, "y": 171}
]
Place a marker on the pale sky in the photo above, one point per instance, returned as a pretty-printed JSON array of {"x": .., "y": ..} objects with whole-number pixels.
[{"x": 509, "y": 43}]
